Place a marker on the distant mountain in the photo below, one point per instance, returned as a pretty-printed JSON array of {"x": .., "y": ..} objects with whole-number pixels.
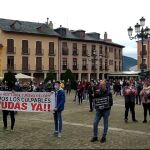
[{"x": 128, "y": 62}]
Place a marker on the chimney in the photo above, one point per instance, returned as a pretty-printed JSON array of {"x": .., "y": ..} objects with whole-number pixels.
[
  {"x": 50, "y": 25},
  {"x": 47, "y": 20},
  {"x": 105, "y": 36}
]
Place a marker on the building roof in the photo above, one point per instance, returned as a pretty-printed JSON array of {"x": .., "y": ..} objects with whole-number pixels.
[
  {"x": 26, "y": 27},
  {"x": 69, "y": 35}
]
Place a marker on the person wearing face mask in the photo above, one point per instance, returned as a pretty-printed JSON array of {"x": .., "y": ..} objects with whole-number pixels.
[
  {"x": 145, "y": 100},
  {"x": 130, "y": 93},
  {"x": 59, "y": 107},
  {"x": 102, "y": 101}
]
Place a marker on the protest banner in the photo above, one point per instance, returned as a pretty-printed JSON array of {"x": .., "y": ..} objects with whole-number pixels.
[
  {"x": 27, "y": 101},
  {"x": 101, "y": 103}
]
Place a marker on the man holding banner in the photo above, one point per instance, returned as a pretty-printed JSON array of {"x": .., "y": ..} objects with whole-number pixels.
[
  {"x": 103, "y": 102},
  {"x": 25, "y": 101},
  {"x": 59, "y": 107}
]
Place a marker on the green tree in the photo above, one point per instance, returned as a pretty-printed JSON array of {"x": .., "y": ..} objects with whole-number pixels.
[
  {"x": 9, "y": 78},
  {"x": 69, "y": 75},
  {"x": 50, "y": 76}
]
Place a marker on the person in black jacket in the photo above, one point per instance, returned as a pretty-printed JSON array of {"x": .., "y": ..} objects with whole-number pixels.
[
  {"x": 91, "y": 92},
  {"x": 139, "y": 87},
  {"x": 103, "y": 102},
  {"x": 6, "y": 112}
]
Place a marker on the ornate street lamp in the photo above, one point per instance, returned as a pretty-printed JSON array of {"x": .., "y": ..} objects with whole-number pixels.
[
  {"x": 94, "y": 62},
  {"x": 141, "y": 34}
]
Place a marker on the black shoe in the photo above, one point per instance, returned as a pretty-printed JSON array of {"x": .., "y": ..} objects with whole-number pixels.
[
  {"x": 90, "y": 110},
  {"x": 135, "y": 120},
  {"x": 103, "y": 140},
  {"x": 145, "y": 121},
  {"x": 12, "y": 128},
  {"x": 126, "y": 120},
  {"x": 94, "y": 139}
]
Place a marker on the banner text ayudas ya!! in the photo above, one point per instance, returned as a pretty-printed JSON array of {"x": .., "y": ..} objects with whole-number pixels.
[{"x": 27, "y": 101}]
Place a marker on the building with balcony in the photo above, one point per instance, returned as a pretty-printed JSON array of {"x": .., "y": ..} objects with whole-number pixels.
[
  {"x": 87, "y": 55},
  {"x": 37, "y": 49}
]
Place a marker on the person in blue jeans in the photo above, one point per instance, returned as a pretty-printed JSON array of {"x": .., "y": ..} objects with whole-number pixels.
[
  {"x": 102, "y": 111},
  {"x": 59, "y": 107}
]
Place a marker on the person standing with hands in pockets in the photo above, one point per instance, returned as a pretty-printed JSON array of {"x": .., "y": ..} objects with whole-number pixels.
[{"x": 59, "y": 107}]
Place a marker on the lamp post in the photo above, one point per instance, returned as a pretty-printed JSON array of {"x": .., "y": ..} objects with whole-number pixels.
[
  {"x": 94, "y": 63},
  {"x": 141, "y": 34}
]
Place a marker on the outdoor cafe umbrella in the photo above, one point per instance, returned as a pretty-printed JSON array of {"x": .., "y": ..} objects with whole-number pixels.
[{"x": 23, "y": 76}]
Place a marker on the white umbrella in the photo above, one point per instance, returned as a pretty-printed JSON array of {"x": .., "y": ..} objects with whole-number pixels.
[{"x": 23, "y": 76}]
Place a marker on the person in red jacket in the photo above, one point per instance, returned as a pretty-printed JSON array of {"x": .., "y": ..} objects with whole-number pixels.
[
  {"x": 145, "y": 100},
  {"x": 80, "y": 92},
  {"x": 130, "y": 93}
]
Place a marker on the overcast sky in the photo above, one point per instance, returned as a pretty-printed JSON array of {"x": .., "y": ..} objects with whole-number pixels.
[{"x": 111, "y": 16}]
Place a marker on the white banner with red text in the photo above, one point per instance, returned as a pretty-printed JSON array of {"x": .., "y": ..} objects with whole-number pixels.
[{"x": 27, "y": 101}]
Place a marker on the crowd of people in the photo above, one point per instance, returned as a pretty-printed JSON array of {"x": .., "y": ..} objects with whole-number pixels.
[{"x": 99, "y": 93}]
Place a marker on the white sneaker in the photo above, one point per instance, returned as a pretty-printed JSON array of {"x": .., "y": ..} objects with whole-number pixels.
[
  {"x": 55, "y": 133},
  {"x": 59, "y": 135},
  {"x": 12, "y": 130}
]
